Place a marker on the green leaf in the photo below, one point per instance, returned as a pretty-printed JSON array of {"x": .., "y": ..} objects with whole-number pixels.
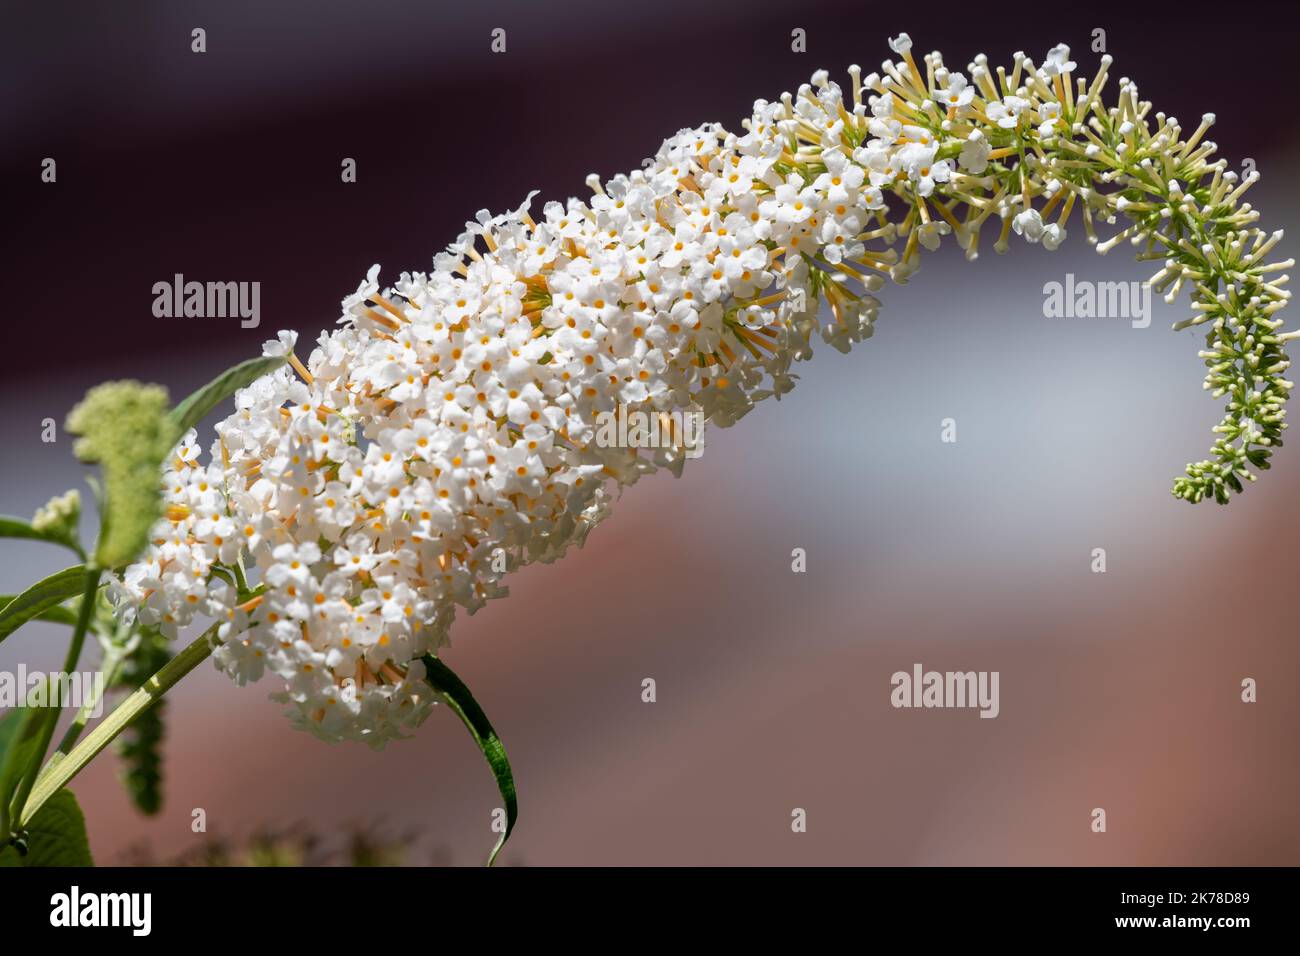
[
  {"x": 191, "y": 411},
  {"x": 55, "y": 615},
  {"x": 41, "y": 598},
  {"x": 124, "y": 426},
  {"x": 8, "y": 727},
  {"x": 20, "y": 751},
  {"x": 56, "y": 836},
  {"x": 458, "y": 697}
]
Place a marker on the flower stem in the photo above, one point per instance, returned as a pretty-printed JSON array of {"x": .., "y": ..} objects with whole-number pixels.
[
  {"x": 62, "y": 769},
  {"x": 108, "y": 672},
  {"x": 69, "y": 665}
]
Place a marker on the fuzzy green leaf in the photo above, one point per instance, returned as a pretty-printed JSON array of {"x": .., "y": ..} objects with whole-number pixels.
[{"x": 125, "y": 428}]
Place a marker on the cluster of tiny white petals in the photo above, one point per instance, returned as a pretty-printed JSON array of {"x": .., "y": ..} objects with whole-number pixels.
[{"x": 445, "y": 434}]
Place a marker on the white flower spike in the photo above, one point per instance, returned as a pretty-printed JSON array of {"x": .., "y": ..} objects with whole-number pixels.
[{"x": 446, "y": 433}]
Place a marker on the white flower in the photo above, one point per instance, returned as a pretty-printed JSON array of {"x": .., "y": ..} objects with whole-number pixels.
[
  {"x": 281, "y": 345},
  {"x": 1053, "y": 236},
  {"x": 957, "y": 93},
  {"x": 974, "y": 156},
  {"x": 921, "y": 166},
  {"x": 1058, "y": 60},
  {"x": 1048, "y": 115},
  {"x": 931, "y": 232},
  {"x": 1028, "y": 224},
  {"x": 1007, "y": 111}
]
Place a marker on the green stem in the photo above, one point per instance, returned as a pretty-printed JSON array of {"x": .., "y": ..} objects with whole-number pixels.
[
  {"x": 69, "y": 665},
  {"x": 83, "y": 620},
  {"x": 108, "y": 672},
  {"x": 58, "y": 771}
]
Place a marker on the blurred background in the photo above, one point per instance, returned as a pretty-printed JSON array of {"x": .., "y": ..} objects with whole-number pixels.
[{"x": 1118, "y": 690}]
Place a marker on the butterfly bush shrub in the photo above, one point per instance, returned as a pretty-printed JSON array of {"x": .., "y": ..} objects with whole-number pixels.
[{"x": 447, "y": 432}]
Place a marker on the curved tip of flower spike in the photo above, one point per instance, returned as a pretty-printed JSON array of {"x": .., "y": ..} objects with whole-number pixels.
[{"x": 1220, "y": 480}]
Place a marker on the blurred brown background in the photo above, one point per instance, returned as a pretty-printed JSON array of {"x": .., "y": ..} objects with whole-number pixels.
[{"x": 1118, "y": 690}]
